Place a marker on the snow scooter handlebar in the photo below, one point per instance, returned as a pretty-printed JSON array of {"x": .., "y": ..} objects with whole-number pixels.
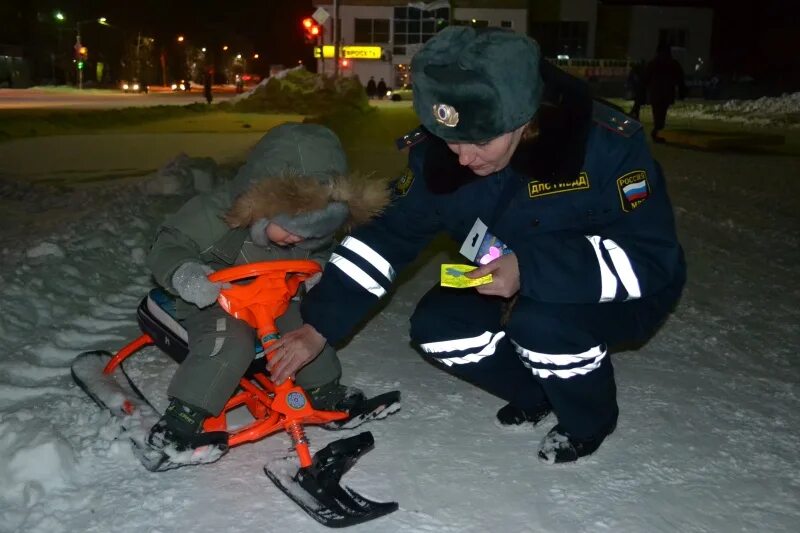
[
  {"x": 267, "y": 296},
  {"x": 259, "y": 302}
]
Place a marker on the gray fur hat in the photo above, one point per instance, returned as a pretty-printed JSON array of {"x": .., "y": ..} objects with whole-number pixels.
[
  {"x": 297, "y": 177},
  {"x": 473, "y": 85}
]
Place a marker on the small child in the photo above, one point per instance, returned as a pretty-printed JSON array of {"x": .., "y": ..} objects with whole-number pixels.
[{"x": 286, "y": 202}]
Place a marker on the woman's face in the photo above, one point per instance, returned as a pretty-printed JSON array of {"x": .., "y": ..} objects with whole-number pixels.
[{"x": 485, "y": 158}]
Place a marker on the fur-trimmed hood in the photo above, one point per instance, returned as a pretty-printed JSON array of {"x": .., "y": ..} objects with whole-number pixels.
[
  {"x": 297, "y": 177},
  {"x": 294, "y": 195}
]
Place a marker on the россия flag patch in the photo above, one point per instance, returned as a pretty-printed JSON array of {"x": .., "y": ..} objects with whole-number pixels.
[{"x": 633, "y": 189}]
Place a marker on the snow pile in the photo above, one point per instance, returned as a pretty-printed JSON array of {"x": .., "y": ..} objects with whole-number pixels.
[
  {"x": 35, "y": 461},
  {"x": 299, "y": 91},
  {"x": 263, "y": 83},
  {"x": 45, "y": 249},
  {"x": 766, "y": 111}
]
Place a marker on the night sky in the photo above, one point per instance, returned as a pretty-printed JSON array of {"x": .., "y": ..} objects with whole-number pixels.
[
  {"x": 754, "y": 37},
  {"x": 269, "y": 27}
]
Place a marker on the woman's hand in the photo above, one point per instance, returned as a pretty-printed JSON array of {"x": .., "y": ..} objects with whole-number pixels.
[
  {"x": 293, "y": 351},
  {"x": 505, "y": 276}
]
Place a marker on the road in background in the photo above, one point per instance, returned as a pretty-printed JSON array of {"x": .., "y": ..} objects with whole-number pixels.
[{"x": 71, "y": 98}]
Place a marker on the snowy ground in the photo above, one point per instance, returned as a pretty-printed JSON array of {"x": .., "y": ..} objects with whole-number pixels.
[
  {"x": 765, "y": 111},
  {"x": 707, "y": 441}
]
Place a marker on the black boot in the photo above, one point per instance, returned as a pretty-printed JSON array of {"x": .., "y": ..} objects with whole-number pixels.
[
  {"x": 558, "y": 446},
  {"x": 334, "y": 396},
  {"x": 177, "y": 440},
  {"x": 510, "y": 415}
]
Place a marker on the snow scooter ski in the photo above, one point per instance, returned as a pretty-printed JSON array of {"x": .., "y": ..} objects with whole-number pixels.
[{"x": 315, "y": 485}]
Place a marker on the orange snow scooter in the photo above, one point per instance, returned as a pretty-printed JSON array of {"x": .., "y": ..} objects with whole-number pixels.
[{"x": 315, "y": 485}]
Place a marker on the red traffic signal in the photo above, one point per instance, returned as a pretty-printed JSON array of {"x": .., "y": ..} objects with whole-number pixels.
[{"x": 311, "y": 28}]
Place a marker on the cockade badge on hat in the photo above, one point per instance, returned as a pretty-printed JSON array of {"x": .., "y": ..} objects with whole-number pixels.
[{"x": 446, "y": 115}]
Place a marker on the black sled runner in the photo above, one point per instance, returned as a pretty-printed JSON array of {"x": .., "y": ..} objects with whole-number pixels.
[{"x": 314, "y": 484}]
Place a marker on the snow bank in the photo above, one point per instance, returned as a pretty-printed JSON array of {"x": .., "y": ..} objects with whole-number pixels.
[
  {"x": 766, "y": 111},
  {"x": 35, "y": 461}
]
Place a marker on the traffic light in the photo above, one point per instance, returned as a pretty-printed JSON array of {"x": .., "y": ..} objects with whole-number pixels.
[
  {"x": 82, "y": 55},
  {"x": 312, "y": 30}
]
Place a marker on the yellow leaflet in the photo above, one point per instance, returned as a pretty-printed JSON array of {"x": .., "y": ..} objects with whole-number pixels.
[{"x": 453, "y": 276}]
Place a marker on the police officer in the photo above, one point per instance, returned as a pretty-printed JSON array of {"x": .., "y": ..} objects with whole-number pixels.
[{"x": 586, "y": 255}]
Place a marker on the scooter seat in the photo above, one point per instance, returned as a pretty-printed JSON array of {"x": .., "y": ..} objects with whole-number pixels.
[{"x": 157, "y": 317}]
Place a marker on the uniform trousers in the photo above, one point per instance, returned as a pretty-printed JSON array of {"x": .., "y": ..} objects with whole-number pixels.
[{"x": 545, "y": 352}]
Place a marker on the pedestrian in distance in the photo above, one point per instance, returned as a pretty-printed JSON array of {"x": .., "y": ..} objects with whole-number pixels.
[
  {"x": 208, "y": 81},
  {"x": 372, "y": 89},
  {"x": 663, "y": 78},
  {"x": 381, "y": 89},
  {"x": 636, "y": 87},
  {"x": 585, "y": 258},
  {"x": 286, "y": 202}
]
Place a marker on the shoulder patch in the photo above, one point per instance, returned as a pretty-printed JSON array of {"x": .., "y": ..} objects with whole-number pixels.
[
  {"x": 403, "y": 184},
  {"x": 633, "y": 189},
  {"x": 614, "y": 120},
  {"x": 544, "y": 188},
  {"x": 411, "y": 138}
]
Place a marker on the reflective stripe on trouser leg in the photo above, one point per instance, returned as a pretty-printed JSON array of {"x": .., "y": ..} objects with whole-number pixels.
[
  {"x": 564, "y": 347},
  {"x": 562, "y": 365},
  {"x": 461, "y": 328},
  {"x": 464, "y": 351}
]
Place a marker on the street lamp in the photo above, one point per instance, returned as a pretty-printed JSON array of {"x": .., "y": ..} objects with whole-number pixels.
[
  {"x": 180, "y": 38},
  {"x": 59, "y": 16}
]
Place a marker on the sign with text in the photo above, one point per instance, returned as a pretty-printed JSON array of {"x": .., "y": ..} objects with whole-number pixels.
[{"x": 350, "y": 52}]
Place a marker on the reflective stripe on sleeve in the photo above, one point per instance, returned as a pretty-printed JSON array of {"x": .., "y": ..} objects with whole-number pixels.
[
  {"x": 370, "y": 256},
  {"x": 358, "y": 275},
  {"x": 624, "y": 269},
  {"x": 608, "y": 281}
]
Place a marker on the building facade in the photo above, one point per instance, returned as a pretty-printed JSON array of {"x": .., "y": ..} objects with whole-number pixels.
[
  {"x": 585, "y": 37},
  {"x": 635, "y": 31},
  {"x": 400, "y": 28},
  {"x": 14, "y": 70}
]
